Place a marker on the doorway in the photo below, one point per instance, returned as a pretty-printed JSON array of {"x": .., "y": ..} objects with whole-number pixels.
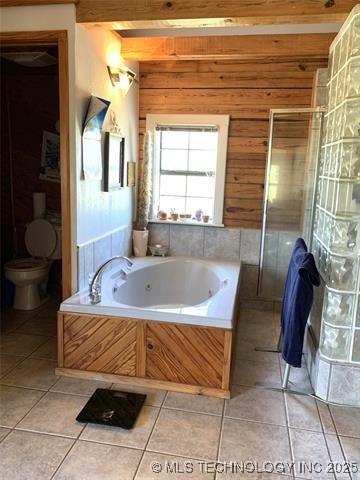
[{"x": 46, "y": 52}]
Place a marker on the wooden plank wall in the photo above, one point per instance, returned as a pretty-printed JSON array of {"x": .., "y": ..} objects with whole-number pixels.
[{"x": 245, "y": 91}]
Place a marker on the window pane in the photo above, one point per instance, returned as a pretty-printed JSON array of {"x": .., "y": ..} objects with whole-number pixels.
[
  {"x": 200, "y": 186},
  {"x": 172, "y": 185},
  {"x": 175, "y": 140},
  {"x": 167, "y": 203},
  {"x": 174, "y": 159},
  {"x": 202, "y": 161},
  {"x": 206, "y": 205},
  {"x": 203, "y": 140}
]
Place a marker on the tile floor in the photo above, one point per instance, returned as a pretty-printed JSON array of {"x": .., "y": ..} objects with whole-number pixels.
[{"x": 177, "y": 436}]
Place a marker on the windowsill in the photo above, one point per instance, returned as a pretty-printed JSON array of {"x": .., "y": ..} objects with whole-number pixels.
[{"x": 193, "y": 223}]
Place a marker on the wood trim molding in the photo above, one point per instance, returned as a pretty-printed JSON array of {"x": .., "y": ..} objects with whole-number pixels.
[
  {"x": 185, "y": 13},
  {"x": 27, "y": 3},
  {"x": 239, "y": 47},
  {"x": 143, "y": 382},
  {"x": 59, "y": 38}
]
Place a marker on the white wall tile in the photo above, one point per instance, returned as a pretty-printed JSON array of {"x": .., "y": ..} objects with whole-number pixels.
[
  {"x": 88, "y": 261},
  {"x": 102, "y": 251},
  {"x": 81, "y": 268},
  {"x": 222, "y": 242},
  {"x": 345, "y": 384},
  {"x": 187, "y": 240}
]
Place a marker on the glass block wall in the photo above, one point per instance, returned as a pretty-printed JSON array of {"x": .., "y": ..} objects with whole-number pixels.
[{"x": 336, "y": 237}]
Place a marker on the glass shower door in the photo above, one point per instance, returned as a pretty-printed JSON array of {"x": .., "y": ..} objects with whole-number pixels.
[{"x": 294, "y": 141}]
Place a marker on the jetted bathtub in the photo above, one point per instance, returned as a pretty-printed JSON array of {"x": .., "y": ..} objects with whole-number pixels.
[{"x": 187, "y": 290}]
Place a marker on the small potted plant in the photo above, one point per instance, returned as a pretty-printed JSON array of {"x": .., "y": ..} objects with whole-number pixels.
[
  {"x": 174, "y": 215},
  {"x": 162, "y": 215},
  {"x": 141, "y": 233}
]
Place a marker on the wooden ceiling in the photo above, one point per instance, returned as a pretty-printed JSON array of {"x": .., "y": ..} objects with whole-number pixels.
[
  {"x": 243, "y": 47},
  {"x": 120, "y": 14}
]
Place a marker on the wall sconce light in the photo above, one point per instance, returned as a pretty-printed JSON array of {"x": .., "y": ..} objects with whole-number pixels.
[{"x": 121, "y": 77}]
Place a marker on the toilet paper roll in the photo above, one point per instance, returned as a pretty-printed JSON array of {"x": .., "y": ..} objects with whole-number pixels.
[{"x": 39, "y": 202}]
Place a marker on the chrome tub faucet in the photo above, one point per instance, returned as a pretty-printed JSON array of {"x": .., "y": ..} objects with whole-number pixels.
[{"x": 95, "y": 284}]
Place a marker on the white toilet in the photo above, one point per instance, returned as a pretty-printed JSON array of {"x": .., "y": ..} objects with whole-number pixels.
[{"x": 29, "y": 275}]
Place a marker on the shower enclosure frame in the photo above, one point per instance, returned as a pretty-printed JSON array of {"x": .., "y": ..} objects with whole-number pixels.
[
  {"x": 57, "y": 38},
  {"x": 274, "y": 112}
]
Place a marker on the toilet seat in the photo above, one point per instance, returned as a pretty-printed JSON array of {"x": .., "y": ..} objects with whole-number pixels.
[{"x": 26, "y": 264}]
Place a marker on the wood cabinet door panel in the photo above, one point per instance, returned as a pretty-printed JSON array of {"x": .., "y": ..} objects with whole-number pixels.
[
  {"x": 100, "y": 344},
  {"x": 185, "y": 354}
]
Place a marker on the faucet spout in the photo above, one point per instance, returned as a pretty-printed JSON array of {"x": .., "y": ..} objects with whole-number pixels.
[{"x": 95, "y": 285}]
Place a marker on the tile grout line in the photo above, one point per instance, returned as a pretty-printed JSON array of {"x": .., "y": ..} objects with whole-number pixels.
[
  {"x": 221, "y": 431},
  {"x": 149, "y": 437},
  {"x": 325, "y": 439},
  {"x": 287, "y": 419},
  {"x": 338, "y": 436},
  {"x": 68, "y": 452}
]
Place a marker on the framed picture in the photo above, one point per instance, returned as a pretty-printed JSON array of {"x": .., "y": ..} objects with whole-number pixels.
[
  {"x": 113, "y": 162},
  {"x": 50, "y": 157}
]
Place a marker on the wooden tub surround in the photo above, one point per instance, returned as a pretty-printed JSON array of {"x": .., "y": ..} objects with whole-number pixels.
[{"x": 169, "y": 356}]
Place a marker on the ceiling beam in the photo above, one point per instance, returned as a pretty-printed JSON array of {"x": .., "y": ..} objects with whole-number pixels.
[
  {"x": 27, "y": 3},
  {"x": 199, "y": 13},
  {"x": 242, "y": 47}
]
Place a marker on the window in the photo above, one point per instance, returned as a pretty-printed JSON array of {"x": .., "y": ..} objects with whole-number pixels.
[{"x": 189, "y": 164}]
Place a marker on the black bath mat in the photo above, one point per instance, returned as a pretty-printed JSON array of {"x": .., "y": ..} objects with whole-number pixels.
[{"x": 111, "y": 407}]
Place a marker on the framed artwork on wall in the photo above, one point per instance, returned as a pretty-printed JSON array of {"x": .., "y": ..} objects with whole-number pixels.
[{"x": 114, "y": 148}]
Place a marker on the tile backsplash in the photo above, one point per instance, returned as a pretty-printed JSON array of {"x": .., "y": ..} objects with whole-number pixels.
[
  {"x": 200, "y": 241},
  {"x": 92, "y": 254}
]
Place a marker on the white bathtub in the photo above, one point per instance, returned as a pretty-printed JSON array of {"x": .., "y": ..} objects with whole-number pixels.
[{"x": 175, "y": 289}]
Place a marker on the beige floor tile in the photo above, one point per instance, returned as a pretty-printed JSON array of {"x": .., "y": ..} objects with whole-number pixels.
[
  {"x": 242, "y": 440},
  {"x": 32, "y": 373},
  {"x": 154, "y": 397},
  {"x": 78, "y": 386},
  {"x": 31, "y": 456},
  {"x": 351, "y": 448},
  {"x": 39, "y": 326},
  {"x": 12, "y": 319},
  {"x": 259, "y": 405},
  {"x": 337, "y": 457},
  {"x": 4, "y": 432},
  {"x": 257, "y": 333},
  {"x": 325, "y": 417},
  {"x": 236, "y": 473},
  {"x": 157, "y": 466},
  {"x": 252, "y": 373},
  {"x": 186, "y": 434},
  {"x": 8, "y": 362},
  {"x": 245, "y": 350},
  {"x": 135, "y": 438},
  {"x": 15, "y": 403},
  {"x": 309, "y": 448},
  {"x": 48, "y": 350},
  {"x": 302, "y": 412},
  {"x": 92, "y": 461},
  {"x": 56, "y": 414},
  {"x": 347, "y": 420},
  {"x": 194, "y": 403},
  {"x": 20, "y": 343}
]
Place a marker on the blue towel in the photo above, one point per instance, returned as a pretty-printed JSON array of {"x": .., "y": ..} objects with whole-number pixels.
[{"x": 297, "y": 302}]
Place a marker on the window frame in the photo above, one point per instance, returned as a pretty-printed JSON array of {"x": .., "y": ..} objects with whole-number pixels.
[{"x": 183, "y": 120}]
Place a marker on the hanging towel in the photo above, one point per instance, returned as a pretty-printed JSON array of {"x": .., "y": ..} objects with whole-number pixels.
[{"x": 297, "y": 301}]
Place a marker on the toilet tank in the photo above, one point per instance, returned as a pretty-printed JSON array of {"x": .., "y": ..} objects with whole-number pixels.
[{"x": 54, "y": 217}]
